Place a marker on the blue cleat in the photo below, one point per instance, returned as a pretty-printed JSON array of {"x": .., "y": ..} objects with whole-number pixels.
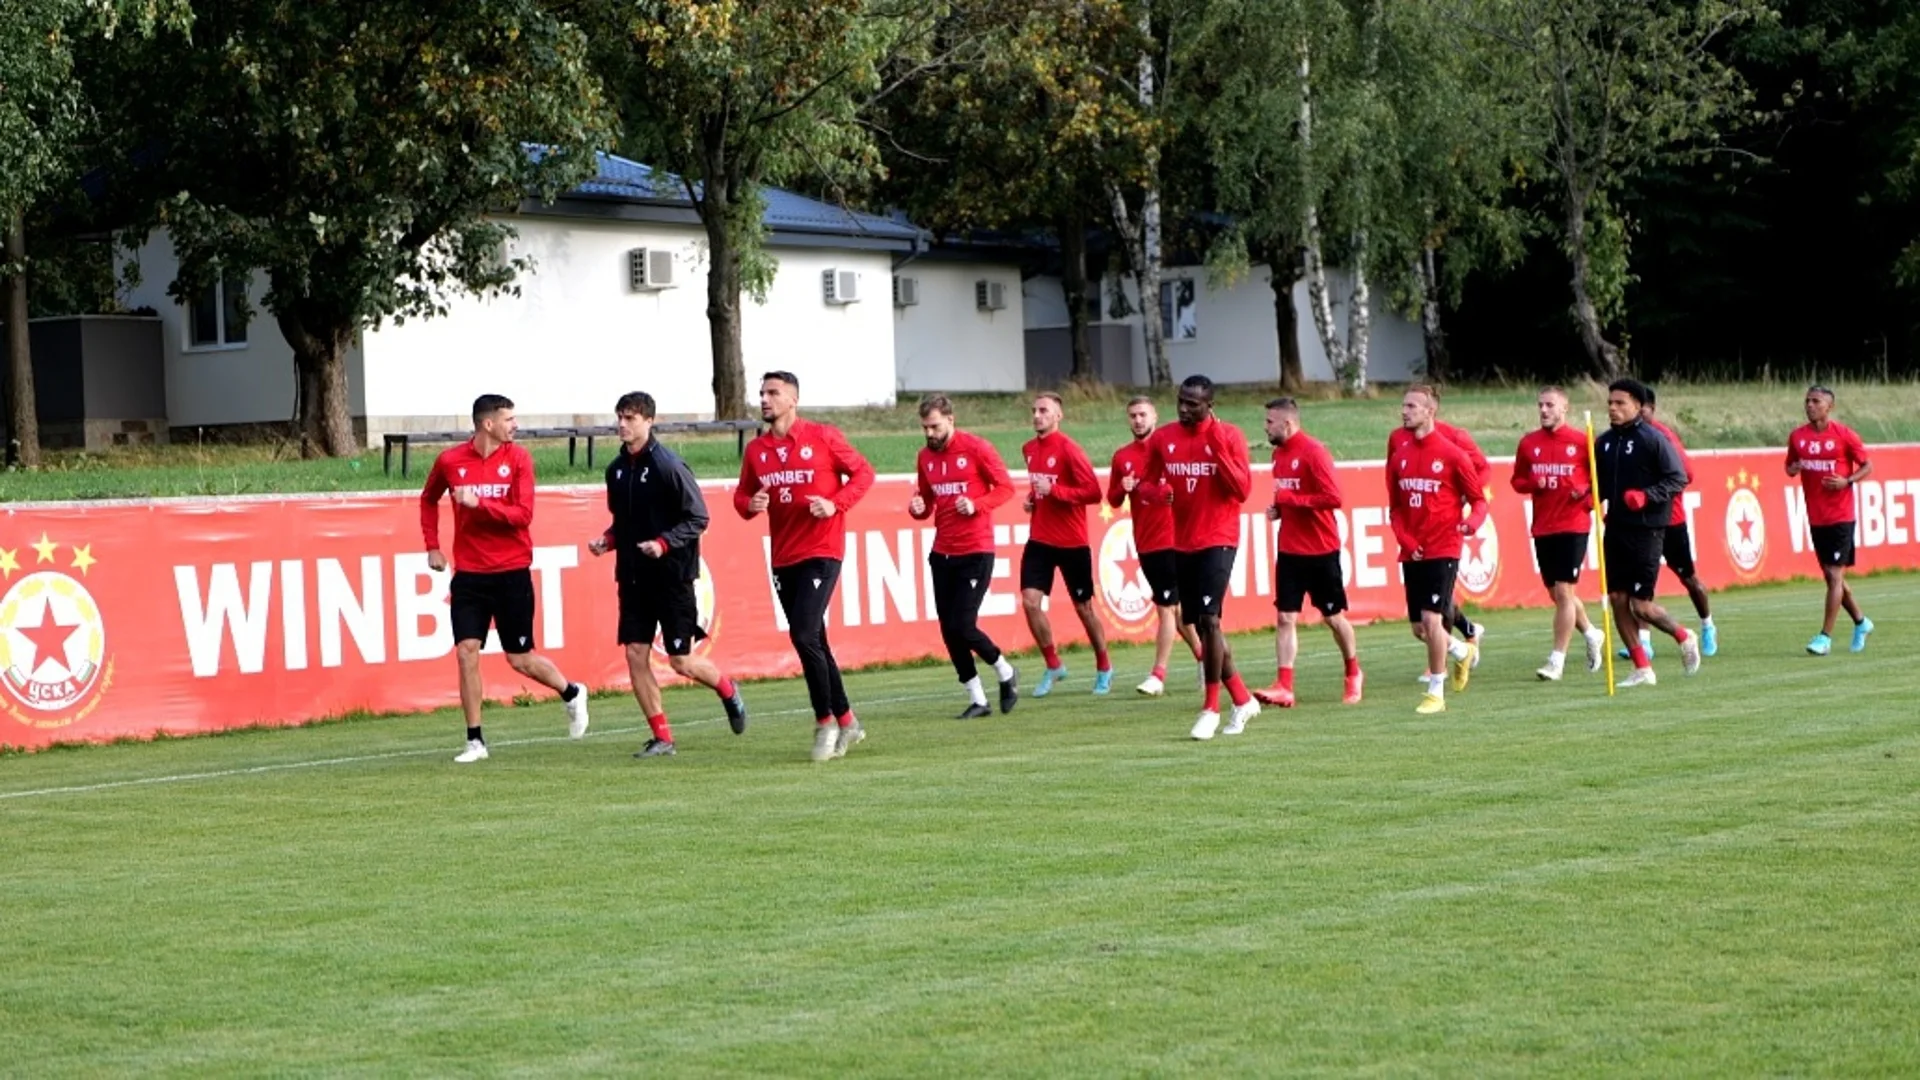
[
  {"x": 1103, "y": 680},
  {"x": 1048, "y": 678},
  {"x": 1821, "y": 645},
  {"x": 1860, "y": 631},
  {"x": 1709, "y": 640}
]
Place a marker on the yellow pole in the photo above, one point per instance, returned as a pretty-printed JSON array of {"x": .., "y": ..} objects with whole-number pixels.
[{"x": 1600, "y": 538}]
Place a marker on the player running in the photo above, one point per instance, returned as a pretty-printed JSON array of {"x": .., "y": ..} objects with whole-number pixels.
[
  {"x": 803, "y": 475},
  {"x": 1470, "y": 632},
  {"x": 1551, "y": 466},
  {"x": 1430, "y": 488},
  {"x": 1062, "y": 485},
  {"x": 1640, "y": 475},
  {"x": 960, "y": 480},
  {"x": 1152, "y": 540},
  {"x": 1306, "y": 493},
  {"x": 1829, "y": 459},
  {"x": 1676, "y": 548}
]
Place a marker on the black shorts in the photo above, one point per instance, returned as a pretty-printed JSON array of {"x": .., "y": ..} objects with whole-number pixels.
[
  {"x": 1633, "y": 559},
  {"x": 1430, "y": 586},
  {"x": 806, "y": 588},
  {"x": 503, "y": 601},
  {"x": 1297, "y": 576},
  {"x": 1676, "y": 548},
  {"x": 1163, "y": 576},
  {"x": 1833, "y": 544},
  {"x": 960, "y": 584},
  {"x": 1203, "y": 579},
  {"x": 1038, "y": 562},
  {"x": 667, "y": 608},
  {"x": 1560, "y": 556}
]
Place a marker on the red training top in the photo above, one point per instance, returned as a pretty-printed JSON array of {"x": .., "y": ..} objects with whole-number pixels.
[
  {"x": 1429, "y": 482},
  {"x": 1837, "y": 451},
  {"x": 495, "y": 535},
  {"x": 1307, "y": 491},
  {"x": 1679, "y": 504},
  {"x": 1551, "y": 466},
  {"x": 1060, "y": 519},
  {"x": 1209, "y": 475},
  {"x": 1152, "y": 517},
  {"x": 812, "y": 459},
  {"x": 1482, "y": 471},
  {"x": 967, "y": 466}
]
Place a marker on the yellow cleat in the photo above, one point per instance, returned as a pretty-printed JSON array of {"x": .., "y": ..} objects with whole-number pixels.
[
  {"x": 1430, "y": 704},
  {"x": 1461, "y": 670}
]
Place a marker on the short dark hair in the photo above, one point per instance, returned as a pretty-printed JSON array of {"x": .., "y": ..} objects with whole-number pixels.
[
  {"x": 1651, "y": 395},
  {"x": 1284, "y": 404},
  {"x": 1633, "y": 388},
  {"x": 487, "y": 404},
  {"x": 935, "y": 403},
  {"x": 638, "y": 402},
  {"x": 1200, "y": 383},
  {"x": 1817, "y": 388},
  {"x": 787, "y": 377}
]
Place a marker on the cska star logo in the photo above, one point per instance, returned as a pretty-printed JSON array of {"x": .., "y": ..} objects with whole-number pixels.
[
  {"x": 781, "y": 451},
  {"x": 53, "y": 639},
  {"x": 806, "y": 453},
  {"x": 1480, "y": 560},
  {"x": 1746, "y": 525},
  {"x": 1125, "y": 597},
  {"x": 706, "y": 600}
]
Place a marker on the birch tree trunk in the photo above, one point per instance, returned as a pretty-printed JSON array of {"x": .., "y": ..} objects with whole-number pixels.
[
  {"x": 1432, "y": 336},
  {"x": 1359, "y": 320},
  {"x": 1604, "y": 355},
  {"x": 1319, "y": 298}
]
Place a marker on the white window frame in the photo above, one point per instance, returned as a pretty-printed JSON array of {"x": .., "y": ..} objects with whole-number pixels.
[
  {"x": 1171, "y": 310},
  {"x": 220, "y": 343}
]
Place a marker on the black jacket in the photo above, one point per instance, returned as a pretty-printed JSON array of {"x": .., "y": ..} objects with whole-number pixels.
[
  {"x": 653, "y": 496},
  {"x": 1636, "y": 457}
]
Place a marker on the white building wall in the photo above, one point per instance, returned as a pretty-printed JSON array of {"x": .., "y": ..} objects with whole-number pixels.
[
  {"x": 842, "y": 353},
  {"x": 945, "y": 342}
]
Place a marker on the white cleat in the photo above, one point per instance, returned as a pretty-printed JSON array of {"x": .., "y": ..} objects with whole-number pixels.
[
  {"x": 577, "y": 713},
  {"x": 1549, "y": 673},
  {"x": 1596, "y": 651},
  {"x": 1642, "y": 676},
  {"x": 826, "y": 739},
  {"x": 1690, "y": 655},
  {"x": 475, "y": 751},
  {"x": 1479, "y": 635},
  {"x": 849, "y": 735},
  {"x": 1237, "y": 723},
  {"x": 1208, "y": 723},
  {"x": 1152, "y": 687}
]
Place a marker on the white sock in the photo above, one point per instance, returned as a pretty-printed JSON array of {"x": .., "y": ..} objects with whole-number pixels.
[
  {"x": 1706, "y": 622},
  {"x": 1003, "y": 669},
  {"x": 1556, "y": 659},
  {"x": 975, "y": 691},
  {"x": 1456, "y": 649},
  {"x": 1646, "y": 639},
  {"x": 1437, "y": 685},
  {"x": 1594, "y": 633}
]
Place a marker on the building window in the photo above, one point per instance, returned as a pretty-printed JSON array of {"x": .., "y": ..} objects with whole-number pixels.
[
  {"x": 217, "y": 315},
  {"x": 1177, "y": 321}
]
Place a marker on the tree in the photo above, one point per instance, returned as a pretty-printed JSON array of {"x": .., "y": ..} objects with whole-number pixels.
[
  {"x": 354, "y": 152},
  {"x": 1612, "y": 89}
]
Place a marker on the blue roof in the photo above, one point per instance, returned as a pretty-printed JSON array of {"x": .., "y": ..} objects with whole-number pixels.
[{"x": 622, "y": 180}]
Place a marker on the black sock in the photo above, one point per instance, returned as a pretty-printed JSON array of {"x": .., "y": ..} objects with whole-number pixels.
[
  {"x": 572, "y": 691},
  {"x": 473, "y": 735}
]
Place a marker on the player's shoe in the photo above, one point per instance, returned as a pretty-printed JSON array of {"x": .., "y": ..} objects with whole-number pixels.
[
  {"x": 1821, "y": 645},
  {"x": 1048, "y": 678},
  {"x": 1102, "y": 681},
  {"x": 1152, "y": 686},
  {"x": 1237, "y": 723},
  {"x": 1208, "y": 723},
  {"x": 1479, "y": 635},
  {"x": 1549, "y": 672},
  {"x": 1275, "y": 695},
  {"x": 736, "y": 707},
  {"x": 475, "y": 751},
  {"x": 975, "y": 712},
  {"x": 1622, "y": 653},
  {"x": 825, "y": 737},
  {"x": 1430, "y": 704},
  {"x": 849, "y": 735},
  {"x": 1690, "y": 655},
  {"x": 1596, "y": 649},
  {"x": 1461, "y": 670},
  {"x": 1010, "y": 691},
  {"x": 1641, "y": 676},
  {"x": 1356, "y": 682},
  {"x": 1709, "y": 640},
  {"x": 577, "y": 713},
  {"x": 656, "y": 748},
  {"x": 1860, "y": 631}
]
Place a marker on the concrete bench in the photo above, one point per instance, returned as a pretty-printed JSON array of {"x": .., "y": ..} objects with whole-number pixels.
[{"x": 405, "y": 440}]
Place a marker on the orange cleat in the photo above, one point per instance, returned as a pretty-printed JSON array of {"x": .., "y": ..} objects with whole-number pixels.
[
  {"x": 1354, "y": 683},
  {"x": 1275, "y": 695}
]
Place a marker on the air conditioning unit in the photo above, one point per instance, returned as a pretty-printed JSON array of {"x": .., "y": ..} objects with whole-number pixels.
[
  {"x": 649, "y": 269},
  {"x": 906, "y": 291},
  {"x": 989, "y": 295},
  {"x": 842, "y": 286}
]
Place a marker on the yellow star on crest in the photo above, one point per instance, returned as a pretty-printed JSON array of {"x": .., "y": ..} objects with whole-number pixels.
[
  {"x": 8, "y": 563},
  {"x": 44, "y": 549},
  {"x": 1730, "y": 484},
  {"x": 1106, "y": 512},
  {"x": 83, "y": 557}
]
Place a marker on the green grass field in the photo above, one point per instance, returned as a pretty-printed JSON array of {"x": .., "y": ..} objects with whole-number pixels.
[
  {"x": 1716, "y": 876},
  {"x": 1706, "y": 415}
]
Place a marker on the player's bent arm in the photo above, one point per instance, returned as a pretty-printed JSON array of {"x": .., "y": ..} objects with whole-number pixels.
[
  {"x": 1865, "y": 470},
  {"x": 430, "y": 495},
  {"x": 996, "y": 475},
  {"x": 744, "y": 492},
  {"x": 1083, "y": 487},
  {"x": 693, "y": 509},
  {"x": 1115, "y": 493},
  {"x": 1236, "y": 469},
  {"x": 854, "y": 470}
]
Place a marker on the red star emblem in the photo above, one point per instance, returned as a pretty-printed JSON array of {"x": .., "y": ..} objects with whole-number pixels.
[
  {"x": 49, "y": 639},
  {"x": 1129, "y": 564},
  {"x": 1475, "y": 548},
  {"x": 1746, "y": 527}
]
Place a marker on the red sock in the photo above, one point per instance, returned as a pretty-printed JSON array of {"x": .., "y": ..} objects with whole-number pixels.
[
  {"x": 1237, "y": 687},
  {"x": 1160, "y": 672},
  {"x": 1213, "y": 697},
  {"x": 726, "y": 687},
  {"x": 1286, "y": 678},
  {"x": 1353, "y": 666},
  {"x": 1681, "y": 634},
  {"x": 1051, "y": 655},
  {"x": 660, "y": 729},
  {"x": 1101, "y": 662},
  {"x": 848, "y": 720},
  {"x": 1639, "y": 654}
]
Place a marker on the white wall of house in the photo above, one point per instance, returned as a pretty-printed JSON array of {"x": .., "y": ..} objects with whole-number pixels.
[
  {"x": 228, "y": 383},
  {"x": 946, "y": 342},
  {"x": 1232, "y": 328},
  {"x": 842, "y": 353}
]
